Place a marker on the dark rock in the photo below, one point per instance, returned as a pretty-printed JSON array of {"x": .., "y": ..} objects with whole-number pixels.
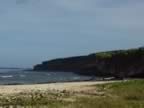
[{"x": 120, "y": 64}]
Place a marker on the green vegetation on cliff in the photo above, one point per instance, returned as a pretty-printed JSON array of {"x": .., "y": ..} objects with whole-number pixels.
[
  {"x": 129, "y": 52},
  {"x": 118, "y": 63}
]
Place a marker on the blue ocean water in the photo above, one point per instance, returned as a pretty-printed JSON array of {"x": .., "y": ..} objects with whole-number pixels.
[{"x": 19, "y": 76}]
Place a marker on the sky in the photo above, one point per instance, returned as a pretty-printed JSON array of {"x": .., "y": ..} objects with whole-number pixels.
[{"x": 32, "y": 31}]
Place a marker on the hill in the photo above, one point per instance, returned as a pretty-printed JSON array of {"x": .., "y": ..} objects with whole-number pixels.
[{"x": 118, "y": 63}]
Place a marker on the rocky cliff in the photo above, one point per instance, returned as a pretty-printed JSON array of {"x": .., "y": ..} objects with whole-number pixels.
[{"x": 120, "y": 63}]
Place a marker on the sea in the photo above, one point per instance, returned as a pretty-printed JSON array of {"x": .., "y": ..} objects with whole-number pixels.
[{"x": 22, "y": 76}]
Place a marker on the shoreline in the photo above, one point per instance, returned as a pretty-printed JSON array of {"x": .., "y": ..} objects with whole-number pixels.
[
  {"x": 51, "y": 82},
  {"x": 68, "y": 86}
]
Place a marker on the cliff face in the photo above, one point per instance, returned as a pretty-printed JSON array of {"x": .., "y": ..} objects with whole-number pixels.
[
  {"x": 120, "y": 63},
  {"x": 67, "y": 64}
]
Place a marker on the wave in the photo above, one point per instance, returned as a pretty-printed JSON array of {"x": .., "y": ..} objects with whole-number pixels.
[
  {"x": 76, "y": 78},
  {"x": 22, "y": 76},
  {"x": 48, "y": 74},
  {"x": 6, "y": 76}
]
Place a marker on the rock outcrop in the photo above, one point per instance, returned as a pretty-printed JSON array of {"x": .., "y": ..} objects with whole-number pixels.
[{"x": 120, "y": 63}]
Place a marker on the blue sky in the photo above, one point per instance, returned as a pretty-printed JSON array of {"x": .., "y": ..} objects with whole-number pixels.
[{"x": 32, "y": 31}]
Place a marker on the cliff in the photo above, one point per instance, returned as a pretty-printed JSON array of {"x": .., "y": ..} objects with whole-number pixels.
[{"x": 119, "y": 63}]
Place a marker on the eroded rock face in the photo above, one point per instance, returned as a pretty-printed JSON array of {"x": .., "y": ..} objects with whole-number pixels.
[{"x": 120, "y": 63}]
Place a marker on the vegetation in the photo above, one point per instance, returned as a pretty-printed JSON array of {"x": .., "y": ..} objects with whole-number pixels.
[
  {"x": 119, "y": 64},
  {"x": 110, "y": 54},
  {"x": 125, "y": 94}
]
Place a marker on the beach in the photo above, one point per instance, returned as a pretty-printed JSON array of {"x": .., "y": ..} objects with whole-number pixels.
[
  {"x": 86, "y": 94},
  {"x": 68, "y": 86}
]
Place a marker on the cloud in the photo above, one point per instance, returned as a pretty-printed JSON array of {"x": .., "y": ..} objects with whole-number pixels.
[
  {"x": 21, "y": 2},
  {"x": 47, "y": 15}
]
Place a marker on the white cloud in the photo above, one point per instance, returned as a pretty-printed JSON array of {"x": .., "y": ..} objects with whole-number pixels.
[{"x": 50, "y": 15}]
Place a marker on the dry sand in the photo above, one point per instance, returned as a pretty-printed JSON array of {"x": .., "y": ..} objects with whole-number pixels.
[{"x": 69, "y": 86}]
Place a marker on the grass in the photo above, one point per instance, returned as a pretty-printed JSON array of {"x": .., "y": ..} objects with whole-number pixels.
[
  {"x": 130, "y": 90},
  {"x": 125, "y": 94},
  {"x": 129, "y": 52},
  {"x": 34, "y": 98}
]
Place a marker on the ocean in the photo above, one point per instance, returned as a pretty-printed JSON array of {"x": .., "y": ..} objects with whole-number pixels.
[{"x": 20, "y": 76}]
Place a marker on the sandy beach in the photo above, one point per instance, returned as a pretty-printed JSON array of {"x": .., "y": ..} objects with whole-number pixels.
[{"x": 69, "y": 86}]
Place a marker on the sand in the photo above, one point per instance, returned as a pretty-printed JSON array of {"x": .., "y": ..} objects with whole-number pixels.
[{"x": 69, "y": 86}]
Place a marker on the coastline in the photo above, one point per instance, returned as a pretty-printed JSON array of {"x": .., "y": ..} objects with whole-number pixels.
[
  {"x": 60, "y": 86},
  {"x": 65, "y": 81}
]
